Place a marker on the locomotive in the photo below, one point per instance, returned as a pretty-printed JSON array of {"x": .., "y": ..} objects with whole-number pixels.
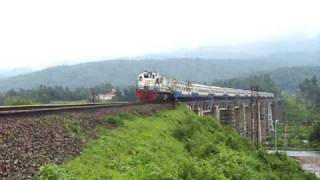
[{"x": 152, "y": 86}]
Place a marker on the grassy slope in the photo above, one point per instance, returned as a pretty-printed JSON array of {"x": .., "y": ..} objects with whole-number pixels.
[{"x": 175, "y": 144}]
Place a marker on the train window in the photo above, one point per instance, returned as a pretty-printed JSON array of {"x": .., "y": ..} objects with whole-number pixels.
[{"x": 140, "y": 78}]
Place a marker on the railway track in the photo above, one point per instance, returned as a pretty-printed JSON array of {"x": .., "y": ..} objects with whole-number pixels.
[{"x": 15, "y": 110}]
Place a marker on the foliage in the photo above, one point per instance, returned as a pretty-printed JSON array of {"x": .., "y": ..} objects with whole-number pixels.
[
  {"x": 53, "y": 172},
  {"x": 309, "y": 90},
  {"x": 175, "y": 144},
  {"x": 44, "y": 94},
  {"x": 15, "y": 101},
  {"x": 294, "y": 109},
  {"x": 73, "y": 125},
  {"x": 115, "y": 120},
  {"x": 288, "y": 79},
  {"x": 297, "y": 120},
  {"x": 263, "y": 81},
  {"x": 315, "y": 133}
]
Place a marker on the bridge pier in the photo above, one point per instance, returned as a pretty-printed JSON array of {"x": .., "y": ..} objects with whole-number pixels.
[
  {"x": 251, "y": 119},
  {"x": 247, "y": 112},
  {"x": 216, "y": 112}
]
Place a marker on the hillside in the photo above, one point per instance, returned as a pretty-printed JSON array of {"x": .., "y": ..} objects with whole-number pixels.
[
  {"x": 124, "y": 72},
  {"x": 286, "y": 79},
  {"x": 175, "y": 144}
]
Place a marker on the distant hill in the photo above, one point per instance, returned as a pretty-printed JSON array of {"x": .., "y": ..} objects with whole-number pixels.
[
  {"x": 288, "y": 79},
  {"x": 203, "y": 64},
  {"x": 5, "y": 73},
  {"x": 124, "y": 72}
]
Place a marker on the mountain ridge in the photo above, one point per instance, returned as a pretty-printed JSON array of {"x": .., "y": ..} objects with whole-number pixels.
[{"x": 123, "y": 72}]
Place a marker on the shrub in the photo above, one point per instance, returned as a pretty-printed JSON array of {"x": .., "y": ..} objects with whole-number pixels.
[
  {"x": 115, "y": 120},
  {"x": 315, "y": 133},
  {"x": 187, "y": 129},
  {"x": 73, "y": 125},
  {"x": 54, "y": 172}
]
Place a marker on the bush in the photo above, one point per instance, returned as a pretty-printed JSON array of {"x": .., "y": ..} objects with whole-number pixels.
[
  {"x": 54, "y": 172},
  {"x": 115, "y": 121},
  {"x": 73, "y": 125},
  {"x": 187, "y": 129},
  {"x": 315, "y": 133}
]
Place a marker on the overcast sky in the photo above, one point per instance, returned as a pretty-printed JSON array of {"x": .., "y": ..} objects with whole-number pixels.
[{"x": 41, "y": 33}]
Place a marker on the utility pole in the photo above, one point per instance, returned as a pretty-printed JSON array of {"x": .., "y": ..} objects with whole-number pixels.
[
  {"x": 93, "y": 95},
  {"x": 285, "y": 145},
  {"x": 258, "y": 116},
  {"x": 275, "y": 134},
  {"x": 252, "y": 114}
]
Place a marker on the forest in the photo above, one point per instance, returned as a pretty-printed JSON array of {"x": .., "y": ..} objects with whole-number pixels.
[{"x": 45, "y": 95}]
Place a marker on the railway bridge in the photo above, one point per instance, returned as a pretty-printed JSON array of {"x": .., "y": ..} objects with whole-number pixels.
[{"x": 253, "y": 118}]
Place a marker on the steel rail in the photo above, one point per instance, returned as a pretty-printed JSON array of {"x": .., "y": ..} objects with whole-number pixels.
[
  {"x": 47, "y": 106},
  {"x": 64, "y": 108}
]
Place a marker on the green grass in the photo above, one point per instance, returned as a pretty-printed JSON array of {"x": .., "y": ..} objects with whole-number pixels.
[{"x": 175, "y": 144}]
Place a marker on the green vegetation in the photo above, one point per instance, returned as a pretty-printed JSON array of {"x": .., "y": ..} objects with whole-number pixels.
[
  {"x": 310, "y": 92},
  {"x": 175, "y": 144},
  {"x": 315, "y": 134},
  {"x": 295, "y": 124},
  {"x": 288, "y": 79},
  {"x": 57, "y": 94},
  {"x": 73, "y": 125},
  {"x": 295, "y": 110},
  {"x": 15, "y": 101},
  {"x": 264, "y": 82}
]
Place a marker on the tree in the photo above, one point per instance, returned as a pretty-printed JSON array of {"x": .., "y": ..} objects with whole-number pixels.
[
  {"x": 264, "y": 82},
  {"x": 309, "y": 90},
  {"x": 315, "y": 134}
]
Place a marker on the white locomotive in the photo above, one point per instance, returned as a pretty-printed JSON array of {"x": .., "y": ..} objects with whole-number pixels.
[{"x": 151, "y": 86}]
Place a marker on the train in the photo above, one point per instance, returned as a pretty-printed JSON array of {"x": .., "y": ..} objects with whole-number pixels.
[{"x": 154, "y": 87}]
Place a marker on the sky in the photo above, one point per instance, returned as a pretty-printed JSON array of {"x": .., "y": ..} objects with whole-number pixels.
[{"x": 41, "y": 33}]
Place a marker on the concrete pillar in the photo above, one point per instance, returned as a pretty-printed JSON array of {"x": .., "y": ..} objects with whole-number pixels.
[
  {"x": 216, "y": 112},
  {"x": 227, "y": 116},
  {"x": 263, "y": 120},
  {"x": 259, "y": 122},
  {"x": 247, "y": 119},
  {"x": 270, "y": 118},
  {"x": 253, "y": 125},
  {"x": 237, "y": 119},
  {"x": 200, "y": 111},
  {"x": 244, "y": 120}
]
